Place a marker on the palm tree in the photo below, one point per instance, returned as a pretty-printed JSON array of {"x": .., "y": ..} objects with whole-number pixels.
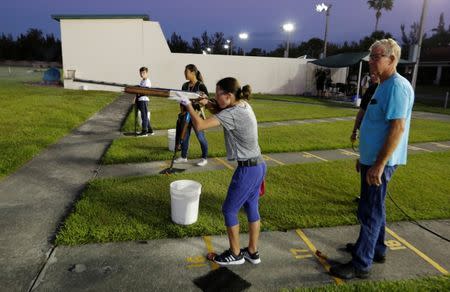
[{"x": 379, "y": 5}]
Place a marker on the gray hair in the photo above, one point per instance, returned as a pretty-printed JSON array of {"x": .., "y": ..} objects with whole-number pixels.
[{"x": 390, "y": 46}]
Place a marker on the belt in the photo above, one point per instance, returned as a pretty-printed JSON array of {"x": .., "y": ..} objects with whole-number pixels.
[{"x": 250, "y": 162}]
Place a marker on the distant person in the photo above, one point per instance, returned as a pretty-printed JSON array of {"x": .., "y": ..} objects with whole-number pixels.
[
  {"x": 194, "y": 84},
  {"x": 240, "y": 127},
  {"x": 320, "y": 82},
  {"x": 142, "y": 104},
  {"x": 408, "y": 74},
  {"x": 383, "y": 147},
  {"x": 374, "y": 80},
  {"x": 365, "y": 83}
]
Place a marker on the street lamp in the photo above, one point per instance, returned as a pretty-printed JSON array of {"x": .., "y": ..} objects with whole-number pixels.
[
  {"x": 419, "y": 44},
  {"x": 208, "y": 50},
  {"x": 320, "y": 8},
  {"x": 288, "y": 28},
  {"x": 226, "y": 47},
  {"x": 243, "y": 36}
]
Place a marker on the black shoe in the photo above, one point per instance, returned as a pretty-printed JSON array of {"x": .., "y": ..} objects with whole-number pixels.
[
  {"x": 377, "y": 258},
  {"x": 227, "y": 258},
  {"x": 348, "y": 271},
  {"x": 143, "y": 134},
  {"x": 251, "y": 257}
]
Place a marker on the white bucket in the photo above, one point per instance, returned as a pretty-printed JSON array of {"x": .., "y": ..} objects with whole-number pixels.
[
  {"x": 184, "y": 201},
  {"x": 171, "y": 133}
]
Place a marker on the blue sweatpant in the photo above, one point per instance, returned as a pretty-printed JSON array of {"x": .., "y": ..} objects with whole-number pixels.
[
  {"x": 372, "y": 217},
  {"x": 244, "y": 191}
]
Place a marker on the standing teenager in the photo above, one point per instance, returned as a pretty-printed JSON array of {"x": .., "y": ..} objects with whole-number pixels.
[
  {"x": 238, "y": 120},
  {"x": 194, "y": 84}
]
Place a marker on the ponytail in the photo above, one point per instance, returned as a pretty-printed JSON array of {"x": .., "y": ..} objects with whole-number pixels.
[{"x": 231, "y": 85}]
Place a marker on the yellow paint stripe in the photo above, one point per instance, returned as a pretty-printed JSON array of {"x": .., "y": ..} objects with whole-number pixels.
[
  {"x": 315, "y": 156},
  {"x": 418, "y": 252},
  {"x": 348, "y": 152},
  {"x": 266, "y": 157},
  {"x": 223, "y": 162},
  {"x": 210, "y": 248},
  {"x": 196, "y": 265},
  {"x": 324, "y": 263}
]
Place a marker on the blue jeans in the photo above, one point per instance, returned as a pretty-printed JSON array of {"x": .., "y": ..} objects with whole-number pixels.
[
  {"x": 143, "y": 108},
  {"x": 372, "y": 217},
  {"x": 201, "y": 138}
]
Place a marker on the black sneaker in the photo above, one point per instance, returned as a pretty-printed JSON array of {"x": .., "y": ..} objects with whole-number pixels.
[
  {"x": 348, "y": 271},
  {"x": 143, "y": 134},
  {"x": 227, "y": 258},
  {"x": 251, "y": 257},
  {"x": 377, "y": 258}
]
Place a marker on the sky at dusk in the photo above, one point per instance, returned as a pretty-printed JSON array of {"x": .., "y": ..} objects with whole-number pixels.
[{"x": 262, "y": 19}]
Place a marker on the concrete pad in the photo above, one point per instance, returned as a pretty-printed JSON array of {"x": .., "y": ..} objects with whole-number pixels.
[
  {"x": 146, "y": 266},
  {"x": 35, "y": 198},
  {"x": 401, "y": 262}
]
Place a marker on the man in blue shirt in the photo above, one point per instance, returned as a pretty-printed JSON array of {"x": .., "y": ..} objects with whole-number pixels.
[{"x": 383, "y": 146}]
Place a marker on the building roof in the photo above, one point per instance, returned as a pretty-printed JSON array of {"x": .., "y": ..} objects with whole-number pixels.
[{"x": 58, "y": 17}]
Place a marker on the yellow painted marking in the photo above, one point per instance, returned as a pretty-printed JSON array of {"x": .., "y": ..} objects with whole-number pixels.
[
  {"x": 266, "y": 157},
  {"x": 418, "y": 148},
  {"x": 348, "y": 153},
  {"x": 309, "y": 155},
  {"x": 394, "y": 245},
  {"x": 209, "y": 247},
  {"x": 297, "y": 253},
  {"x": 226, "y": 164},
  {"x": 440, "y": 145},
  {"x": 418, "y": 252},
  {"x": 311, "y": 246},
  {"x": 196, "y": 265}
]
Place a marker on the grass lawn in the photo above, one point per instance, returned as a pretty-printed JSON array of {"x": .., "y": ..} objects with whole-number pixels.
[
  {"x": 297, "y": 196},
  {"x": 164, "y": 112},
  {"x": 271, "y": 139},
  {"x": 432, "y": 109},
  {"x": 438, "y": 283},
  {"x": 33, "y": 117}
]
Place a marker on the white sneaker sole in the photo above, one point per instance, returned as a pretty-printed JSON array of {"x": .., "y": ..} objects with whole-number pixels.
[
  {"x": 234, "y": 263},
  {"x": 255, "y": 262}
]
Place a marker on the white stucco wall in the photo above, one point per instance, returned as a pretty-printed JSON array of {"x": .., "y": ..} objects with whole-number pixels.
[{"x": 113, "y": 50}]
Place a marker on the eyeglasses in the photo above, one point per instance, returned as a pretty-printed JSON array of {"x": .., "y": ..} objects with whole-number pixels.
[{"x": 376, "y": 57}]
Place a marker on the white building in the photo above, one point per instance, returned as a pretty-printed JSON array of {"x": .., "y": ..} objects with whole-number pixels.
[{"x": 112, "y": 48}]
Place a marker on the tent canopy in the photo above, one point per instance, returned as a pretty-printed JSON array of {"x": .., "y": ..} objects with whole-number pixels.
[
  {"x": 347, "y": 60},
  {"x": 341, "y": 60}
]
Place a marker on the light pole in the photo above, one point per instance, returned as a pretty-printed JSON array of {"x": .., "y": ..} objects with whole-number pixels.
[
  {"x": 230, "y": 47},
  {"x": 226, "y": 47},
  {"x": 320, "y": 8},
  {"x": 208, "y": 50},
  {"x": 288, "y": 28},
  {"x": 243, "y": 36},
  {"x": 419, "y": 45}
]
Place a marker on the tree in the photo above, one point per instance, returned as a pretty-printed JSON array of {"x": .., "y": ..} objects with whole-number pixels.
[
  {"x": 177, "y": 44},
  {"x": 441, "y": 36},
  {"x": 379, "y": 5},
  {"x": 410, "y": 39},
  {"x": 196, "y": 47},
  {"x": 217, "y": 42}
]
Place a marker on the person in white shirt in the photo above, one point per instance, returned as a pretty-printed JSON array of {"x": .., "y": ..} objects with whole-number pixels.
[{"x": 142, "y": 104}]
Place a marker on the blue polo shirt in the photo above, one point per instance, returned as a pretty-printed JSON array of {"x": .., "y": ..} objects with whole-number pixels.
[{"x": 392, "y": 100}]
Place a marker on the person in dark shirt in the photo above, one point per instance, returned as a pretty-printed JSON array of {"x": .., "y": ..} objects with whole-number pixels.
[
  {"x": 374, "y": 80},
  {"x": 194, "y": 84}
]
